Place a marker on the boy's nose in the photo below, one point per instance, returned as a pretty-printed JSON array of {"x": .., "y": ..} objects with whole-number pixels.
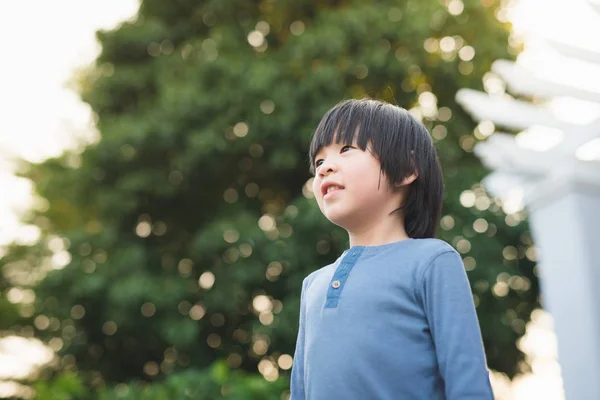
[{"x": 326, "y": 169}]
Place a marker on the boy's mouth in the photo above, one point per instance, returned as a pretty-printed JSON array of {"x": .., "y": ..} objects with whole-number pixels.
[
  {"x": 329, "y": 188},
  {"x": 331, "y": 193}
]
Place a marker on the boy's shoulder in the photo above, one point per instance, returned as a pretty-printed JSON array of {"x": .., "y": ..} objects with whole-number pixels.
[
  {"x": 430, "y": 250},
  {"x": 421, "y": 254},
  {"x": 437, "y": 256},
  {"x": 433, "y": 247}
]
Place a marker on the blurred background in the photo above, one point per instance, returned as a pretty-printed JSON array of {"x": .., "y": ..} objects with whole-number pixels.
[{"x": 156, "y": 216}]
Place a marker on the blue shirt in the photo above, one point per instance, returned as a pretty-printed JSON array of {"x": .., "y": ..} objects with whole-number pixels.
[{"x": 389, "y": 322}]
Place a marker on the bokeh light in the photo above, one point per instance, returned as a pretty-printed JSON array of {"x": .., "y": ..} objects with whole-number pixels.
[{"x": 206, "y": 280}]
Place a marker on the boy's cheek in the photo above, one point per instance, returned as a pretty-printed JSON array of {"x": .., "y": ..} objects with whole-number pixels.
[{"x": 316, "y": 188}]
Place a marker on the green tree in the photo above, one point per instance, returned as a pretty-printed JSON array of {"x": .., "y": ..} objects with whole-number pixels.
[{"x": 188, "y": 225}]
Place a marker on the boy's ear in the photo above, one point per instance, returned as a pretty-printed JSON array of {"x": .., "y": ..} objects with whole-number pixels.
[{"x": 408, "y": 180}]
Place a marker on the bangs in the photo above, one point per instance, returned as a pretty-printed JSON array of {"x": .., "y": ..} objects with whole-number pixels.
[
  {"x": 359, "y": 122},
  {"x": 350, "y": 122}
]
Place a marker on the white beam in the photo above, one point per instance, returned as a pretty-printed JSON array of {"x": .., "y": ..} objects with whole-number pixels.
[
  {"x": 500, "y": 152},
  {"x": 571, "y": 51},
  {"x": 506, "y": 112},
  {"x": 595, "y": 4},
  {"x": 500, "y": 183},
  {"x": 522, "y": 81},
  {"x": 580, "y": 136}
]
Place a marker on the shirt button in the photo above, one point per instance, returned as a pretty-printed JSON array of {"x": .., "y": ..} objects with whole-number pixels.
[{"x": 335, "y": 284}]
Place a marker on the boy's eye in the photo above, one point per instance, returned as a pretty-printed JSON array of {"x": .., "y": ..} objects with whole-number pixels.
[{"x": 342, "y": 150}]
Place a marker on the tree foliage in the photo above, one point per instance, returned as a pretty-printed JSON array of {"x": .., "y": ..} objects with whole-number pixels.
[{"x": 182, "y": 236}]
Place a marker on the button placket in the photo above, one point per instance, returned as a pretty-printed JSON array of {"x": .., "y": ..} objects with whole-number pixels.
[{"x": 341, "y": 274}]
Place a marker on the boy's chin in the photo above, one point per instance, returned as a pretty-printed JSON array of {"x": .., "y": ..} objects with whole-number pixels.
[{"x": 343, "y": 221}]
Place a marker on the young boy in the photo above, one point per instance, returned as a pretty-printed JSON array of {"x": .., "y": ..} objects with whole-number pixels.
[{"x": 393, "y": 317}]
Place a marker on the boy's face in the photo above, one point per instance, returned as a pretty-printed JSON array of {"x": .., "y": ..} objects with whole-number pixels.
[{"x": 349, "y": 188}]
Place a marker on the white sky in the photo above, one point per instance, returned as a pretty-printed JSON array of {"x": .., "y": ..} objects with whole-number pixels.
[{"x": 45, "y": 42}]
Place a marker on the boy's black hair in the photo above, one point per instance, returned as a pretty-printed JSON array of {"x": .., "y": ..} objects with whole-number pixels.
[{"x": 402, "y": 145}]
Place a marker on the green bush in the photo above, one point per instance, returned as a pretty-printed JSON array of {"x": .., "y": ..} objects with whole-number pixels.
[{"x": 216, "y": 382}]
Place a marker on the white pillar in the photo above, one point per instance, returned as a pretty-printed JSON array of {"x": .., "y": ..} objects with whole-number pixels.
[
  {"x": 553, "y": 168},
  {"x": 565, "y": 224}
]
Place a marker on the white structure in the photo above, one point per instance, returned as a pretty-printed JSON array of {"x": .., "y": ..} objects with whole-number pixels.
[{"x": 552, "y": 167}]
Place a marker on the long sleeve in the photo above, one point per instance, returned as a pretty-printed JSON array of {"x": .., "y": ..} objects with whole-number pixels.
[
  {"x": 297, "y": 379},
  {"x": 455, "y": 329}
]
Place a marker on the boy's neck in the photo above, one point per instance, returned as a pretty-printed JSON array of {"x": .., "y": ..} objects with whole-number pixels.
[{"x": 378, "y": 234}]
